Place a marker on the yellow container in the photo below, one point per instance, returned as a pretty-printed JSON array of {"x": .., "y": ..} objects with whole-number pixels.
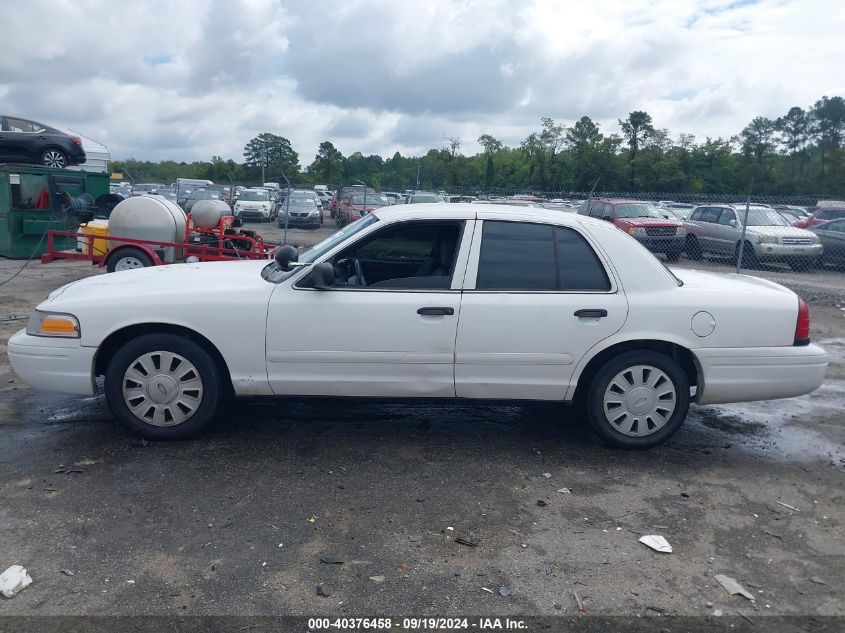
[{"x": 95, "y": 227}]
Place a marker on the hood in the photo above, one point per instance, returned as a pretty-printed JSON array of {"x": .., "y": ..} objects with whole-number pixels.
[
  {"x": 781, "y": 231},
  {"x": 159, "y": 282},
  {"x": 722, "y": 282},
  {"x": 650, "y": 222}
]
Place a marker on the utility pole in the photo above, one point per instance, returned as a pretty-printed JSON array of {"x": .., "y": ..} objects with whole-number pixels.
[
  {"x": 365, "y": 196},
  {"x": 287, "y": 207}
]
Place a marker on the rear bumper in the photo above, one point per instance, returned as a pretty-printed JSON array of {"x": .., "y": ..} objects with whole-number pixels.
[
  {"x": 53, "y": 364},
  {"x": 758, "y": 373}
]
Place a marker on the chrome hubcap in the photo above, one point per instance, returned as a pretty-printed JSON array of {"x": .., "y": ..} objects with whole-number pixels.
[
  {"x": 128, "y": 263},
  {"x": 54, "y": 159},
  {"x": 639, "y": 400},
  {"x": 162, "y": 388}
]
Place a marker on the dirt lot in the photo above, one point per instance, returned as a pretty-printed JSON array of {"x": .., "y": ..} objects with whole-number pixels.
[{"x": 253, "y": 517}]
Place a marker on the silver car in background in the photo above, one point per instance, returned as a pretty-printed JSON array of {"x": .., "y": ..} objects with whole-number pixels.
[{"x": 769, "y": 237}]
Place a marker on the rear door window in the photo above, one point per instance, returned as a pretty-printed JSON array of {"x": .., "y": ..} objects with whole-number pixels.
[
  {"x": 525, "y": 256},
  {"x": 517, "y": 256},
  {"x": 578, "y": 266}
]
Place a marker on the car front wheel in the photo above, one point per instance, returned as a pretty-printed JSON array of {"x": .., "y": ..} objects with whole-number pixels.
[
  {"x": 163, "y": 386},
  {"x": 639, "y": 399},
  {"x": 54, "y": 159}
]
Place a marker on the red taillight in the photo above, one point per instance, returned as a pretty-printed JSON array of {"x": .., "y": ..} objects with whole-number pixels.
[
  {"x": 802, "y": 325},
  {"x": 76, "y": 140}
]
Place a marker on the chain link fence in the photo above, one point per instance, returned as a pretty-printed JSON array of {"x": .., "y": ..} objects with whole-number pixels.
[{"x": 796, "y": 241}]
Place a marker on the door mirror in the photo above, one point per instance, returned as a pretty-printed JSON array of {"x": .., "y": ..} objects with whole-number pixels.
[
  {"x": 607, "y": 218},
  {"x": 322, "y": 276},
  {"x": 733, "y": 223},
  {"x": 285, "y": 255}
]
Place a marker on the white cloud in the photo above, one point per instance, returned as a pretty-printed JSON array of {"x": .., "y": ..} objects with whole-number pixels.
[{"x": 188, "y": 79}]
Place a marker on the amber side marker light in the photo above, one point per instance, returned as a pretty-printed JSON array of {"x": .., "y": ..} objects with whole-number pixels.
[{"x": 58, "y": 325}]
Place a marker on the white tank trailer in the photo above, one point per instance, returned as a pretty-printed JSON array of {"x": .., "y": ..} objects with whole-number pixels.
[{"x": 150, "y": 218}]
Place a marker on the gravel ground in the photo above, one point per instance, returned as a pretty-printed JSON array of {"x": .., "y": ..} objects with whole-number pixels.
[{"x": 428, "y": 506}]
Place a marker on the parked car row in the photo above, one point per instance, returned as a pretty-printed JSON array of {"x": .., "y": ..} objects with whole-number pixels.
[{"x": 758, "y": 234}]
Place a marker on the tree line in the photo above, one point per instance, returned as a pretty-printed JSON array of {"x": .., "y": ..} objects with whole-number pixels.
[{"x": 799, "y": 153}]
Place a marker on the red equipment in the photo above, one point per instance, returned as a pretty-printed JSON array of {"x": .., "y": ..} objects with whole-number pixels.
[{"x": 222, "y": 243}]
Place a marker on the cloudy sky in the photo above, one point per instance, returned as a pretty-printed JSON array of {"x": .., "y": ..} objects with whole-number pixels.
[{"x": 187, "y": 79}]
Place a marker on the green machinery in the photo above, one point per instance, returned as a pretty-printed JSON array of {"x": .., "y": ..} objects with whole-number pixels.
[{"x": 35, "y": 199}]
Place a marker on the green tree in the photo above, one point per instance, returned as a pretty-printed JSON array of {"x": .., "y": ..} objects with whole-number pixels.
[
  {"x": 828, "y": 114},
  {"x": 491, "y": 147},
  {"x": 271, "y": 155},
  {"x": 636, "y": 129},
  {"x": 328, "y": 163}
]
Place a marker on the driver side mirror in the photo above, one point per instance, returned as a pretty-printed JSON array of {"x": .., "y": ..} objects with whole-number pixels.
[
  {"x": 322, "y": 276},
  {"x": 733, "y": 223},
  {"x": 285, "y": 255}
]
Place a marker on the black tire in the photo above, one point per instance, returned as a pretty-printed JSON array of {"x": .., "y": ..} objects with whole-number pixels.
[
  {"x": 120, "y": 259},
  {"x": 693, "y": 248},
  {"x": 749, "y": 257},
  {"x": 211, "y": 394},
  {"x": 601, "y": 383},
  {"x": 53, "y": 158}
]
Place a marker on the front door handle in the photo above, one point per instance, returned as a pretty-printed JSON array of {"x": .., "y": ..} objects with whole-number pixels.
[
  {"x": 436, "y": 311},
  {"x": 591, "y": 313}
]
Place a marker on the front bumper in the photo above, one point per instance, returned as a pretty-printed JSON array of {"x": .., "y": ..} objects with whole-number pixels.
[
  {"x": 53, "y": 364},
  {"x": 299, "y": 220},
  {"x": 780, "y": 252},
  {"x": 670, "y": 244},
  {"x": 253, "y": 215},
  {"x": 744, "y": 374}
]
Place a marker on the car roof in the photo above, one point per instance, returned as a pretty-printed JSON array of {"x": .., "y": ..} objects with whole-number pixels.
[{"x": 469, "y": 211}]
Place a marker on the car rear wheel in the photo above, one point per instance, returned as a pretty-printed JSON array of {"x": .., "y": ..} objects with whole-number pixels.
[
  {"x": 128, "y": 259},
  {"x": 163, "y": 386},
  {"x": 54, "y": 159},
  {"x": 638, "y": 399}
]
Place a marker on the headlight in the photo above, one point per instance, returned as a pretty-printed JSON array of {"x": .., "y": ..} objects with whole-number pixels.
[
  {"x": 767, "y": 239},
  {"x": 637, "y": 232},
  {"x": 315, "y": 212},
  {"x": 53, "y": 324},
  {"x": 681, "y": 232}
]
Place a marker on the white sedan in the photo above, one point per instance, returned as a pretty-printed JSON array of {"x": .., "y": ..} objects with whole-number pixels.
[{"x": 442, "y": 301}]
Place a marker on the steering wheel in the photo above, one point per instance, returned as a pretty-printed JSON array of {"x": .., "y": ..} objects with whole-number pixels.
[{"x": 359, "y": 272}]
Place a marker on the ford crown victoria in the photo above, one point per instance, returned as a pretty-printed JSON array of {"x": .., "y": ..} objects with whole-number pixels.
[{"x": 447, "y": 301}]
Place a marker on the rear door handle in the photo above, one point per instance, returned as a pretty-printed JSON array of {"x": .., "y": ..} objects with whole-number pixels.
[
  {"x": 591, "y": 313},
  {"x": 436, "y": 311}
]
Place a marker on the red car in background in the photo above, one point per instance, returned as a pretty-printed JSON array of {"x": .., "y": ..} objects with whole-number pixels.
[
  {"x": 821, "y": 214},
  {"x": 343, "y": 193},
  {"x": 641, "y": 220},
  {"x": 356, "y": 205}
]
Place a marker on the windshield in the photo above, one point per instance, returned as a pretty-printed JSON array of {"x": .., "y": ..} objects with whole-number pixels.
[
  {"x": 763, "y": 217},
  {"x": 637, "y": 210},
  {"x": 204, "y": 194},
  {"x": 425, "y": 197},
  {"x": 272, "y": 273},
  {"x": 255, "y": 196},
  {"x": 374, "y": 199},
  {"x": 302, "y": 201}
]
